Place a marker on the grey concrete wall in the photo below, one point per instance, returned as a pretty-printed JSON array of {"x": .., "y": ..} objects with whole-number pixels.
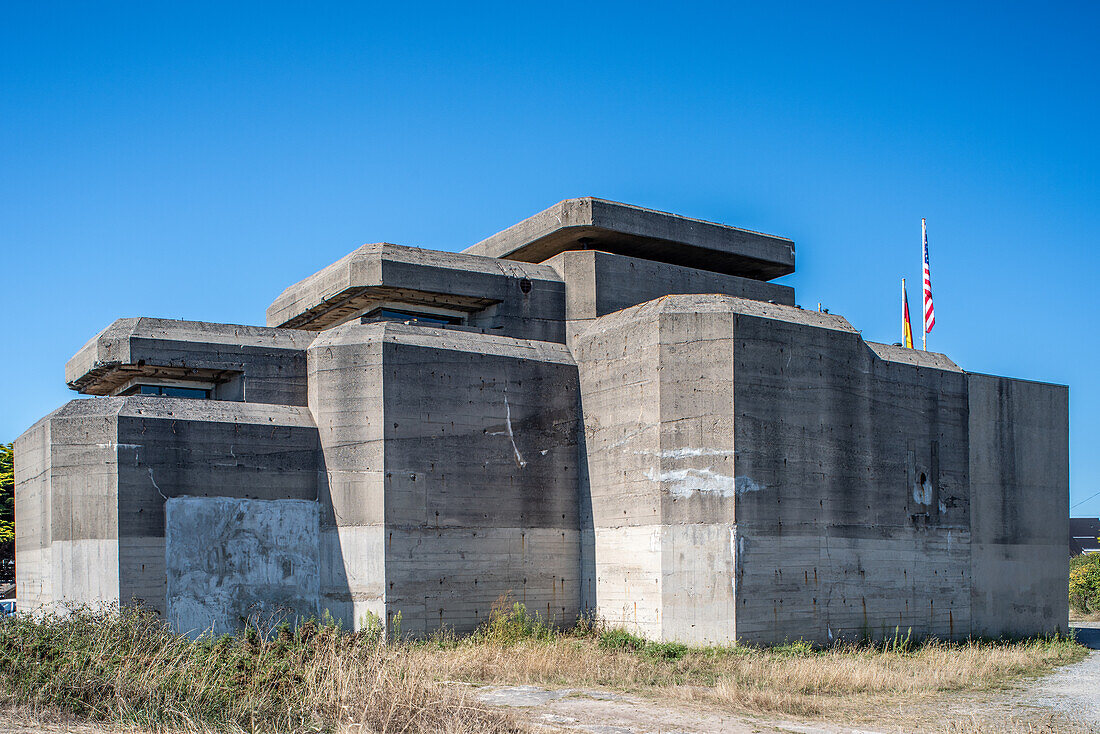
[
  {"x": 231, "y": 559},
  {"x": 620, "y": 409},
  {"x": 173, "y": 447},
  {"x": 599, "y": 283},
  {"x": 480, "y": 477},
  {"x": 33, "y": 579},
  {"x": 84, "y": 505},
  {"x": 67, "y": 509},
  {"x": 451, "y": 474},
  {"x": 837, "y": 535},
  {"x": 767, "y": 456},
  {"x": 657, "y": 395},
  {"x": 345, "y": 399},
  {"x": 1019, "y": 473},
  {"x": 100, "y": 471}
]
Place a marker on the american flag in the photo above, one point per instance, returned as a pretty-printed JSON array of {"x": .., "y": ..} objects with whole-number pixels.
[{"x": 929, "y": 312}]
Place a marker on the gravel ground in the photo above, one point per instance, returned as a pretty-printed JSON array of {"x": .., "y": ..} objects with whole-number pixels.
[
  {"x": 1074, "y": 690},
  {"x": 607, "y": 712}
]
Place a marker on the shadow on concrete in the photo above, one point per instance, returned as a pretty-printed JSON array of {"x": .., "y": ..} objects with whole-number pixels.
[
  {"x": 1087, "y": 636},
  {"x": 334, "y": 598},
  {"x": 587, "y": 580}
]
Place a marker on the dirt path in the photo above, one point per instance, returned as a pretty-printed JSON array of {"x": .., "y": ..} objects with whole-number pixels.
[
  {"x": 607, "y": 712},
  {"x": 1065, "y": 701},
  {"x": 17, "y": 722}
]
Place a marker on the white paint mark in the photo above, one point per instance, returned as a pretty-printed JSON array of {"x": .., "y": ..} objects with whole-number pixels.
[
  {"x": 520, "y": 462},
  {"x": 686, "y": 482},
  {"x": 154, "y": 481},
  {"x": 626, "y": 439},
  {"x": 734, "y": 543},
  {"x": 746, "y": 484},
  {"x": 922, "y": 492},
  {"x": 543, "y": 452},
  {"x": 943, "y": 507},
  {"x": 110, "y": 445},
  {"x": 830, "y": 633},
  {"x": 684, "y": 453}
]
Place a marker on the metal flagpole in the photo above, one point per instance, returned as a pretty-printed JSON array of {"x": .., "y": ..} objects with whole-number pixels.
[
  {"x": 904, "y": 316},
  {"x": 923, "y": 318}
]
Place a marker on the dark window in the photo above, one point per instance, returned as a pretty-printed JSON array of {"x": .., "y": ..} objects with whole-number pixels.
[
  {"x": 170, "y": 392},
  {"x": 391, "y": 314}
]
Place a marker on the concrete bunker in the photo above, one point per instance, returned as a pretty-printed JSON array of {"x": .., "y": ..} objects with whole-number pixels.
[{"x": 600, "y": 408}]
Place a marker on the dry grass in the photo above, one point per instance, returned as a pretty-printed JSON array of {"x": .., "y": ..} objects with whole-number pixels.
[
  {"x": 127, "y": 669},
  {"x": 852, "y": 683}
]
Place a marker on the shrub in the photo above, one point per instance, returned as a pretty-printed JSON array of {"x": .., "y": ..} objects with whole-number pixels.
[
  {"x": 509, "y": 624},
  {"x": 796, "y": 649},
  {"x": 1084, "y": 584},
  {"x": 620, "y": 639}
]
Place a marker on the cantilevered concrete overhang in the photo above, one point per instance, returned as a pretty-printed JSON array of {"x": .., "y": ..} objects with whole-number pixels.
[
  {"x": 383, "y": 273},
  {"x": 133, "y": 350},
  {"x": 596, "y": 224}
]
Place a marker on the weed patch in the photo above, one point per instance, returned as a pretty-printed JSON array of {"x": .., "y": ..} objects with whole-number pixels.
[{"x": 128, "y": 667}]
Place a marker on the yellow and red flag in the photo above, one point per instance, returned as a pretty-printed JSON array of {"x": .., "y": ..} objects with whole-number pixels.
[{"x": 906, "y": 326}]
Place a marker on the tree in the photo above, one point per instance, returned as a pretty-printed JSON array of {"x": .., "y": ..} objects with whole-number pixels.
[{"x": 7, "y": 513}]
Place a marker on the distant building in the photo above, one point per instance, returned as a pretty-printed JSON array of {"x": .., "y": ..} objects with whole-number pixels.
[
  {"x": 600, "y": 408},
  {"x": 1084, "y": 535}
]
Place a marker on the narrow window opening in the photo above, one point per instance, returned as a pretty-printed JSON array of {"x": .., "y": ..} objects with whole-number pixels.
[
  {"x": 410, "y": 317},
  {"x": 168, "y": 391}
]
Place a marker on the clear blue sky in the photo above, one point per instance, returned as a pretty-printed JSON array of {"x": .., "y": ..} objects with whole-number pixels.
[{"x": 190, "y": 160}]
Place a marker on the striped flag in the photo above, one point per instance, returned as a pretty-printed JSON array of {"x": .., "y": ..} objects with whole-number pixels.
[
  {"x": 929, "y": 311},
  {"x": 906, "y": 327}
]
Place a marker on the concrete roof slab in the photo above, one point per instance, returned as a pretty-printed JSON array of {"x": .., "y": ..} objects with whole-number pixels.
[
  {"x": 622, "y": 229},
  {"x": 168, "y": 348},
  {"x": 384, "y": 272}
]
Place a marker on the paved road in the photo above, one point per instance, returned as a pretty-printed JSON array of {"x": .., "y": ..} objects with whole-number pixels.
[{"x": 1087, "y": 633}]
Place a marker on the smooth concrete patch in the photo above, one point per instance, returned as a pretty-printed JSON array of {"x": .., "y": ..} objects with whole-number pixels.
[{"x": 229, "y": 558}]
